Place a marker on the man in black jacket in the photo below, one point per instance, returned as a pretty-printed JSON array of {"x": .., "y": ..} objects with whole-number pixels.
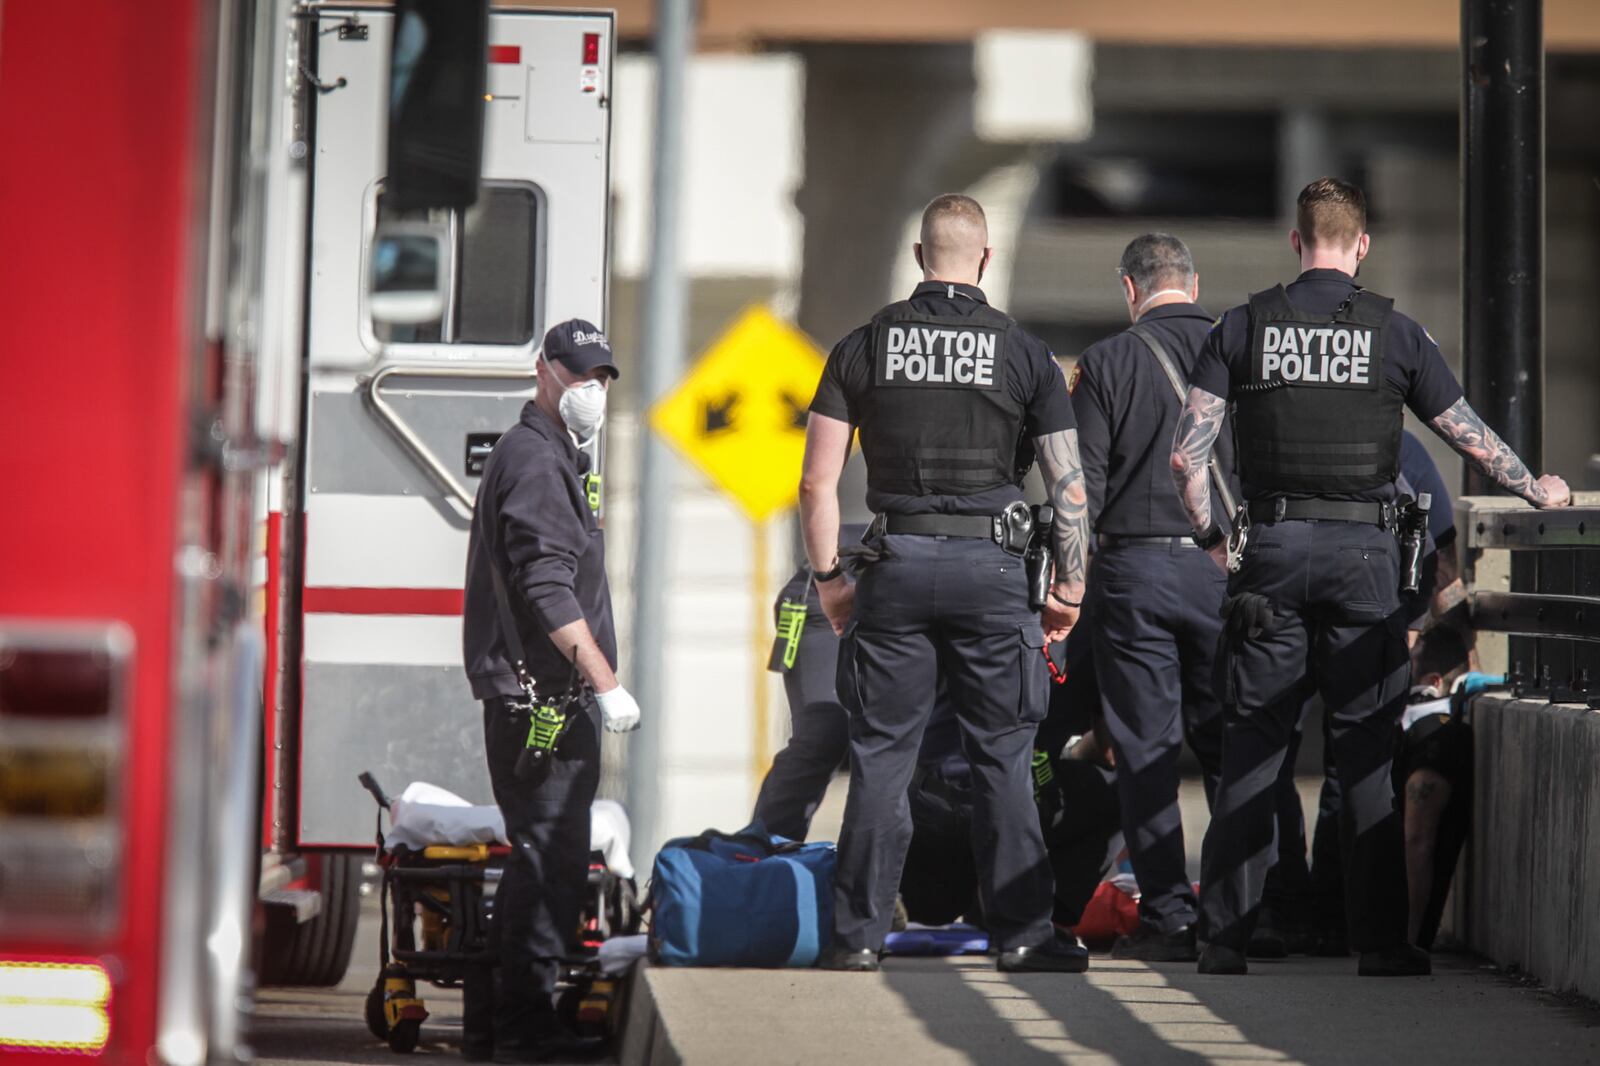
[
  {"x": 1154, "y": 595},
  {"x": 536, "y": 565}
]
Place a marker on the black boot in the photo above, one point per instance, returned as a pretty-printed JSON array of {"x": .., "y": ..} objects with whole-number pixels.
[
  {"x": 1216, "y": 959},
  {"x": 1331, "y": 944},
  {"x": 1149, "y": 944},
  {"x": 862, "y": 961},
  {"x": 1402, "y": 960},
  {"x": 1267, "y": 940},
  {"x": 1062, "y": 953}
]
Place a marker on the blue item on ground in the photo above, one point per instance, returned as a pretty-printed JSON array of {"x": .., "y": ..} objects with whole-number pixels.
[
  {"x": 741, "y": 899},
  {"x": 937, "y": 940}
]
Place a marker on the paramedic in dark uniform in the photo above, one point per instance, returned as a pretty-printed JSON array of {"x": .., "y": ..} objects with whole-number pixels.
[
  {"x": 1318, "y": 374},
  {"x": 819, "y": 736},
  {"x": 536, "y": 558},
  {"x": 951, "y": 399},
  {"x": 1154, "y": 595}
]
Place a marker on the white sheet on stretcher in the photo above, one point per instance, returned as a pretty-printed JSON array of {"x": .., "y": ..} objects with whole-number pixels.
[{"x": 426, "y": 815}]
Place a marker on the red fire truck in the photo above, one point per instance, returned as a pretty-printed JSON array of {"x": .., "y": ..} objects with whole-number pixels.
[{"x": 230, "y": 567}]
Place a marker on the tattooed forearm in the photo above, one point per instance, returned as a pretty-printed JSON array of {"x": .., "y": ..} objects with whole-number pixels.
[
  {"x": 1198, "y": 426},
  {"x": 1421, "y": 789},
  {"x": 1063, "y": 480},
  {"x": 1462, "y": 429}
]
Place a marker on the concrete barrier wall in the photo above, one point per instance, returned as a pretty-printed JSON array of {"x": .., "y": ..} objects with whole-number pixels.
[{"x": 1534, "y": 869}]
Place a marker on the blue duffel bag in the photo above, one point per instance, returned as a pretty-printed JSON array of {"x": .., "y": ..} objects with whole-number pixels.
[{"x": 741, "y": 899}]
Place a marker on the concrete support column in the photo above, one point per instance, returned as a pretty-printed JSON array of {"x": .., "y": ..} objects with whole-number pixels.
[
  {"x": 883, "y": 124},
  {"x": 1305, "y": 152},
  {"x": 885, "y": 127}
]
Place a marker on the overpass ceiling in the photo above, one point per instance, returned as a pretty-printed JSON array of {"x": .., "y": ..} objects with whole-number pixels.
[{"x": 1570, "y": 25}]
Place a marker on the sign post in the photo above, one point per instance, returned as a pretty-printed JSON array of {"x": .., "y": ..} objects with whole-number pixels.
[{"x": 740, "y": 416}]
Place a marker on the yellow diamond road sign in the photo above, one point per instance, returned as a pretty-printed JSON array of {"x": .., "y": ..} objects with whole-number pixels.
[{"x": 740, "y": 414}]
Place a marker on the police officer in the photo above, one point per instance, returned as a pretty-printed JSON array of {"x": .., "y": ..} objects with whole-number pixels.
[
  {"x": 1318, "y": 374},
  {"x": 1155, "y": 596},
  {"x": 537, "y": 603},
  {"x": 807, "y": 655},
  {"x": 950, "y": 397},
  {"x": 1319, "y": 891}
]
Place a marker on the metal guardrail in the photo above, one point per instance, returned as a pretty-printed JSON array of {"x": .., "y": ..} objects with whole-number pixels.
[{"x": 1544, "y": 594}]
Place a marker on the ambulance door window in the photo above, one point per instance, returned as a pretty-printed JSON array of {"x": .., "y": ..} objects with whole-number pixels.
[
  {"x": 495, "y": 285},
  {"x": 493, "y": 270}
]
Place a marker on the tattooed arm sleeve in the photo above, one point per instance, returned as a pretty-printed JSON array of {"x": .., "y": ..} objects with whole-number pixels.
[
  {"x": 1063, "y": 480},
  {"x": 1461, "y": 428},
  {"x": 1198, "y": 427}
]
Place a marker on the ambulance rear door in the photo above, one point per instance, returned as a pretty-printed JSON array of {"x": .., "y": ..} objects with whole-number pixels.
[{"x": 399, "y": 419}]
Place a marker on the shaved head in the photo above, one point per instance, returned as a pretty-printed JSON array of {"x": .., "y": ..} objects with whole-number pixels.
[{"x": 955, "y": 239}]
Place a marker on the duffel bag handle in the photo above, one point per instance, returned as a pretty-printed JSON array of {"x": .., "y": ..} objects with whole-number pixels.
[{"x": 753, "y": 836}]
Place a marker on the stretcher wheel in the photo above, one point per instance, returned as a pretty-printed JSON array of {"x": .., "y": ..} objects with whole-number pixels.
[
  {"x": 377, "y": 1024},
  {"x": 405, "y": 1036}
]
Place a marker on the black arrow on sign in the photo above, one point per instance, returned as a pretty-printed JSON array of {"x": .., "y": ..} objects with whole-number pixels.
[
  {"x": 797, "y": 412},
  {"x": 719, "y": 414}
]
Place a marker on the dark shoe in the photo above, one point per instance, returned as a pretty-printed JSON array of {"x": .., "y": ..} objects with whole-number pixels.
[
  {"x": 1267, "y": 944},
  {"x": 1216, "y": 959},
  {"x": 863, "y": 961},
  {"x": 1300, "y": 939},
  {"x": 1060, "y": 954},
  {"x": 1267, "y": 939},
  {"x": 1149, "y": 944},
  {"x": 1331, "y": 945},
  {"x": 1404, "y": 960}
]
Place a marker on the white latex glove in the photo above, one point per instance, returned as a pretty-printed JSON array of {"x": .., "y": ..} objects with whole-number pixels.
[{"x": 619, "y": 711}]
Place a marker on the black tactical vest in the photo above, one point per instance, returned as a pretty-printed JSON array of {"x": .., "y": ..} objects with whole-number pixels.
[
  {"x": 939, "y": 419},
  {"x": 1313, "y": 416}
]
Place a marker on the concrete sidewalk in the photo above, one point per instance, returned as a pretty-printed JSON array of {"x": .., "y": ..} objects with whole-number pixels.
[{"x": 930, "y": 1012}]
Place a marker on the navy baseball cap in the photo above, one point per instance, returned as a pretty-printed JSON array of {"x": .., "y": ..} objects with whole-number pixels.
[{"x": 579, "y": 346}]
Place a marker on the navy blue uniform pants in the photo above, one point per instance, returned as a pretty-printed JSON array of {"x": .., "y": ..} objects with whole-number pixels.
[
  {"x": 819, "y": 736},
  {"x": 1155, "y": 639},
  {"x": 542, "y": 891},
  {"x": 1339, "y": 630},
  {"x": 958, "y": 608}
]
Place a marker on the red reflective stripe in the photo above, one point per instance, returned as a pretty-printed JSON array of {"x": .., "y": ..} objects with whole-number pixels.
[
  {"x": 382, "y": 601},
  {"x": 505, "y": 53},
  {"x": 269, "y": 672}
]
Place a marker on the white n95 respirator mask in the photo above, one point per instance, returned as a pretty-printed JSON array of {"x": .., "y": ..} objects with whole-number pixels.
[{"x": 582, "y": 406}]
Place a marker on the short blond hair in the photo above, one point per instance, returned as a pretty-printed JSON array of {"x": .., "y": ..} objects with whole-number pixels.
[
  {"x": 1331, "y": 213},
  {"x": 954, "y": 229}
]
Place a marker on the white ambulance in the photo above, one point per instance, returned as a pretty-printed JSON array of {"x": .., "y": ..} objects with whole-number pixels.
[{"x": 366, "y": 519}]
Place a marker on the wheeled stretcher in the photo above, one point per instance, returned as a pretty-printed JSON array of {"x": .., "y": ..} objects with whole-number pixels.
[{"x": 441, "y": 860}]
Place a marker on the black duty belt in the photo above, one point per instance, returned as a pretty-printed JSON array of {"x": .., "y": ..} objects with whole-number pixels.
[
  {"x": 976, "y": 526},
  {"x": 1282, "y": 510},
  {"x": 1117, "y": 540}
]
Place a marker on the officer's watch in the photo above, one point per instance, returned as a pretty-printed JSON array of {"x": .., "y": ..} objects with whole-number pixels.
[
  {"x": 829, "y": 575},
  {"x": 1213, "y": 536}
]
